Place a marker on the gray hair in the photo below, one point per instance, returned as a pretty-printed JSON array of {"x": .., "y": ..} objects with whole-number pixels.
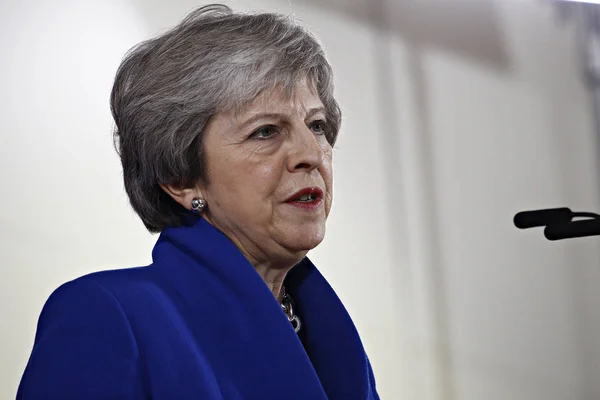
[{"x": 168, "y": 88}]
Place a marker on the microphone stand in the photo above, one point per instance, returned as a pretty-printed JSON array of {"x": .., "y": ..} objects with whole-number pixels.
[{"x": 560, "y": 223}]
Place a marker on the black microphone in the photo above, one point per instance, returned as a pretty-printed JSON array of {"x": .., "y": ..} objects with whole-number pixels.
[
  {"x": 549, "y": 216},
  {"x": 574, "y": 229}
]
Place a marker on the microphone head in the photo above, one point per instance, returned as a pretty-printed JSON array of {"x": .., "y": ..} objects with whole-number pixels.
[
  {"x": 574, "y": 229},
  {"x": 549, "y": 216}
]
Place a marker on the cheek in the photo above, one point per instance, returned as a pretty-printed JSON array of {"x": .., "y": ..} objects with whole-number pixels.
[
  {"x": 265, "y": 178},
  {"x": 249, "y": 185},
  {"x": 327, "y": 175}
]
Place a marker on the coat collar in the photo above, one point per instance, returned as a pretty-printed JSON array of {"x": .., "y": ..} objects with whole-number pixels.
[{"x": 226, "y": 293}]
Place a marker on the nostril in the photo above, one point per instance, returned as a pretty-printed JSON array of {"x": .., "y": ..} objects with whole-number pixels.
[{"x": 303, "y": 166}]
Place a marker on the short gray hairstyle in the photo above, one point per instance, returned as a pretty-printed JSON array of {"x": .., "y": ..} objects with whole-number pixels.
[{"x": 168, "y": 88}]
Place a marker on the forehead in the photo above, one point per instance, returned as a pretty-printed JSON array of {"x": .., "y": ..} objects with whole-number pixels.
[
  {"x": 299, "y": 100},
  {"x": 295, "y": 104}
]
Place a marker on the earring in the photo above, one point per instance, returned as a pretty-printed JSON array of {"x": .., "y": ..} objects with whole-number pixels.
[{"x": 198, "y": 205}]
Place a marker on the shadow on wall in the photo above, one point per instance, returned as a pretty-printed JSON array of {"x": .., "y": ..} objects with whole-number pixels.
[{"x": 469, "y": 29}]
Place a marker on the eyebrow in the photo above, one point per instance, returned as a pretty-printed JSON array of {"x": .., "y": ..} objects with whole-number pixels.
[{"x": 311, "y": 112}]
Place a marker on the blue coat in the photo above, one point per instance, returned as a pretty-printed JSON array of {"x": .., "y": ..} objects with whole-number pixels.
[{"x": 198, "y": 323}]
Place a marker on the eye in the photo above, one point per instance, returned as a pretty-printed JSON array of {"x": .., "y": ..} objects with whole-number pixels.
[
  {"x": 264, "y": 132},
  {"x": 319, "y": 127}
]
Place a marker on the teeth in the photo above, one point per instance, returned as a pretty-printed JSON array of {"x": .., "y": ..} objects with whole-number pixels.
[{"x": 305, "y": 197}]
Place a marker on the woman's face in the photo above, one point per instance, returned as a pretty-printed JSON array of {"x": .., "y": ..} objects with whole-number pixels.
[{"x": 270, "y": 175}]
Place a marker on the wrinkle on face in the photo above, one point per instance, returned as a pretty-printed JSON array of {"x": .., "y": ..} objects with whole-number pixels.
[{"x": 251, "y": 179}]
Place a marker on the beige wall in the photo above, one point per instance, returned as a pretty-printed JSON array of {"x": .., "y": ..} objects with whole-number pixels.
[{"x": 456, "y": 117}]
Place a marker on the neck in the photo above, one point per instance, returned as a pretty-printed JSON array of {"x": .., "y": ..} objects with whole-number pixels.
[
  {"x": 274, "y": 280},
  {"x": 274, "y": 273},
  {"x": 271, "y": 268}
]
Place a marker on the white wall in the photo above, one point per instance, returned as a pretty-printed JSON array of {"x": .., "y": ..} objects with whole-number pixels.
[{"x": 455, "y": 118}]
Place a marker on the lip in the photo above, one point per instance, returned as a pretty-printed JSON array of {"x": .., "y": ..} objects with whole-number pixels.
[{"x": 316, "y": 191}]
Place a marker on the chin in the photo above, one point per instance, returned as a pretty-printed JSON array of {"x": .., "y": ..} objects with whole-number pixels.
[{"x": 307, "y": 239}]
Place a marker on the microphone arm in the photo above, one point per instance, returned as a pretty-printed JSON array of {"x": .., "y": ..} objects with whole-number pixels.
[{"x": 560, "y": 223}]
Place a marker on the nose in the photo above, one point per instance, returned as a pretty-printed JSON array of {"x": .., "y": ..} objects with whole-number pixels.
[{"x": 306, "y": 152}]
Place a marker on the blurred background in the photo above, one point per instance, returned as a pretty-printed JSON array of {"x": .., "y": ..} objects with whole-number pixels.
[{"x": 457, "y": 115}]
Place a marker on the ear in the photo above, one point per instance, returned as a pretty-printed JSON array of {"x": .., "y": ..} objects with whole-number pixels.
[{"x": 183, "y": 196}]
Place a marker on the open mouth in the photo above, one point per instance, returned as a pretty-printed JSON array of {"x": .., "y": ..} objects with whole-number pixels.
[{"x": 307, "y": 195}]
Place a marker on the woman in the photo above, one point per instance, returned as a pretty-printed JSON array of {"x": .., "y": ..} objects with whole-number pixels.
[{"x": 225, "y": 127}]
